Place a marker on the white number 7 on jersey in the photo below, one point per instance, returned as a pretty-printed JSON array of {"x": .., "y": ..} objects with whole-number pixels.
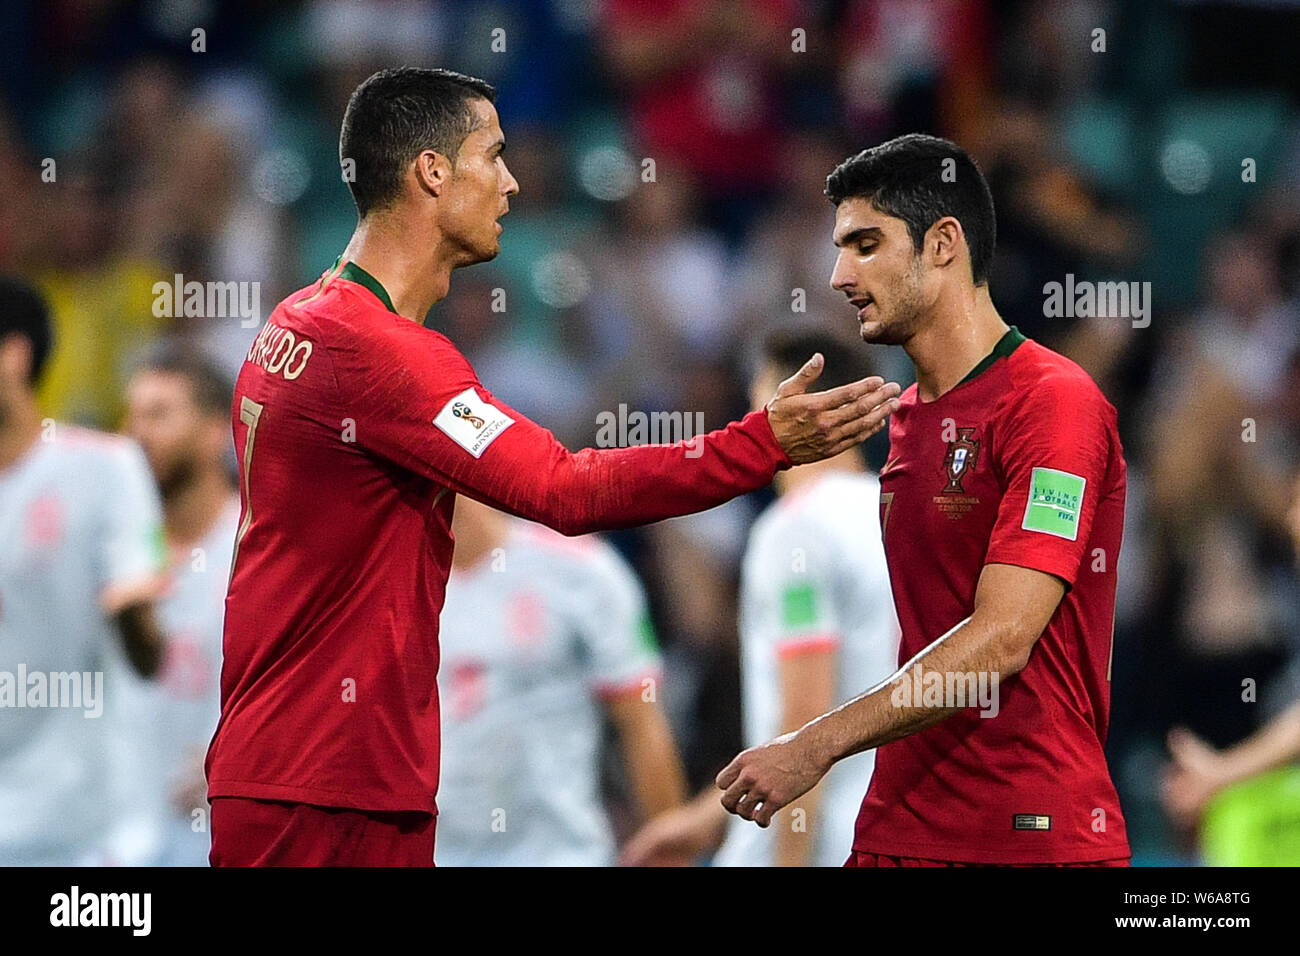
[{"x": 250, "y": 413}]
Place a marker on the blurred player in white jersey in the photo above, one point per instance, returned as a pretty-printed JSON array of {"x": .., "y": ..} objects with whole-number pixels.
[
  {"x": 542, "y": 636},
  {"x": 817, "y": 624},
  {"x": 80, "y": 558},
  {"x": 178, "y": 409}
]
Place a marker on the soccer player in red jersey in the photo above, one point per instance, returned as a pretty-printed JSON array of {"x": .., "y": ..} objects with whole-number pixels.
[
  {"x": 1002, "y": 505},
  {"x": 356, "y": 428}
]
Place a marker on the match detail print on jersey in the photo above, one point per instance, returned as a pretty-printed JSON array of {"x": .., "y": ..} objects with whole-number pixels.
[
  {"x": 1055, "y": 498},
  {"x": 472, "y": 423}
]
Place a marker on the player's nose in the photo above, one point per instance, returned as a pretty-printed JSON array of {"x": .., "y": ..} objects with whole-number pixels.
[{"x": 842, "y": 277}]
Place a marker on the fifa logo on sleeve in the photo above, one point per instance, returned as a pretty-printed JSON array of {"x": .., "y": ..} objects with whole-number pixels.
[
  {"x": 963, "y": 453},
  {"x": 472, "y": 427},
  {"x": 462, "y": 411}
]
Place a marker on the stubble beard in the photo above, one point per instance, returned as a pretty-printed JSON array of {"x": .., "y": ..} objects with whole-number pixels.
[
  {"x": 473, "y": 254},
  {"x": 903, "y": 319},
  {"x": 176, "y": 477}
]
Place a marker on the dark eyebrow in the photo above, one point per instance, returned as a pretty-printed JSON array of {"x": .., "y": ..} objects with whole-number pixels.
[{"x": 857, "y": 235}]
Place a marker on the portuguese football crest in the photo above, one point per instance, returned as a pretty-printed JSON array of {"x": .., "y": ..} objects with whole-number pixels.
[{"x": 961, "y": 458}]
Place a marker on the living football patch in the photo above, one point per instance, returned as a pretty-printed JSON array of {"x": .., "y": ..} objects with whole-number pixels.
[{"x": 1055, "y": 502}]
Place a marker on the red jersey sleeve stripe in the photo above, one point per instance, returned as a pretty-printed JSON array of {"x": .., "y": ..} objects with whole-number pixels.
[{"x": 807, "y": 644}]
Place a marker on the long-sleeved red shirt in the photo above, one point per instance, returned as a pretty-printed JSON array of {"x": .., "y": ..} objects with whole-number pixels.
[{"x": 355, "y": 429}]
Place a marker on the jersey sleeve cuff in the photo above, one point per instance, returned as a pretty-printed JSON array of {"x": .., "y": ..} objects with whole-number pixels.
[
  {"x": 760, "y": 428},
  {"x": 1058, "y": 566},
  {"x": 614, "y": 689},
  {"x": 807, "y": 644}
]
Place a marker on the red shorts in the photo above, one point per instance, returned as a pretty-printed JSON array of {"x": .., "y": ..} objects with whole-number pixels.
[
  {"x": 877, "y": 859},
  {"x": 248, "y": 832}
]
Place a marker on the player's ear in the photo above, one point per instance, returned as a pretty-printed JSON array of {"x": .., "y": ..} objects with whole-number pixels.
[
  {"x": 16, "y": 357},
  {"x": 943, "y": 241},
  {"x": 432, "y": 170}
]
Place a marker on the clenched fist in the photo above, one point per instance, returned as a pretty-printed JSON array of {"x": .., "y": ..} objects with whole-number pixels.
[{"x": 763, "y": 779}]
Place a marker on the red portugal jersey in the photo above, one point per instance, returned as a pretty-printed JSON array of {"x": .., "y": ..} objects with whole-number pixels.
[
  {"x": 1018, "y": 464},
  {"x": 356, "y": 428}
]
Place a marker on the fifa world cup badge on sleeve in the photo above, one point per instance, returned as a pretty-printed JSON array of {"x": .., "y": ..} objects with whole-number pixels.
[{"x": 472, "y": 423}]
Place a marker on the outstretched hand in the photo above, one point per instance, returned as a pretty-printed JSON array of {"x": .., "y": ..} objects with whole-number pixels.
[{"x": 811, "y": 426}]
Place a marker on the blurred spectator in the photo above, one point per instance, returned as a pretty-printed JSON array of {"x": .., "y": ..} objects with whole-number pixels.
[
  {"x": 179, "y": 411},
  {"x": 1199, "y": 773},
  {"x": 79, "y": 572},
  {"x": 702, "y": 78},
  {"x": 541, "y": 637}
]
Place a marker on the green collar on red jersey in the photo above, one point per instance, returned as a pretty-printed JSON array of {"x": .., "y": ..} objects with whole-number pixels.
[
  {"x": 354, "y": 273},
  {"x": 1006, "y": 345}
]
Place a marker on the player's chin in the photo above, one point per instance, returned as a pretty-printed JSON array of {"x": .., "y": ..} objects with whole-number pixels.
[
  {"x": 879, "y": 333},
  {"x": 486, "y": 252},
  {"x": 873, "y": 333}
]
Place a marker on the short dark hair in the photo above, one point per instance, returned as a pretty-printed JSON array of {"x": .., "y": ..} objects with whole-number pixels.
[
  {"x": 212, "y": 388},
  {"x": 904, "y": 178},
  {"x": 786, "y": 350},
  {"x": 23, "y": 312},
  {"x": 396, "y": 114}
]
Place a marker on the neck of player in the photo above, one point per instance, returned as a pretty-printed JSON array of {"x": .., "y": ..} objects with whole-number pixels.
[
  {"x": 415, "y": 274},
  {"x": 959, "y": 332},
  {"x": 20, "y": 427}
]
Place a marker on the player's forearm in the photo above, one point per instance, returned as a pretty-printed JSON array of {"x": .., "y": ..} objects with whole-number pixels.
[
  {"x": 907, "y": 703},
  {"x": 654, "y": 768},
  {"x": 708, "y": 820},
  {"x": 711, "y": 816},
  {"x": 1274, "y": 745},
  {"x": 659, "y": 783},
  {"x": 602, "y": 489}
]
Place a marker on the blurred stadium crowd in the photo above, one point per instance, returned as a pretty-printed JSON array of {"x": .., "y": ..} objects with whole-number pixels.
[{"x": 671, "y": 157}]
